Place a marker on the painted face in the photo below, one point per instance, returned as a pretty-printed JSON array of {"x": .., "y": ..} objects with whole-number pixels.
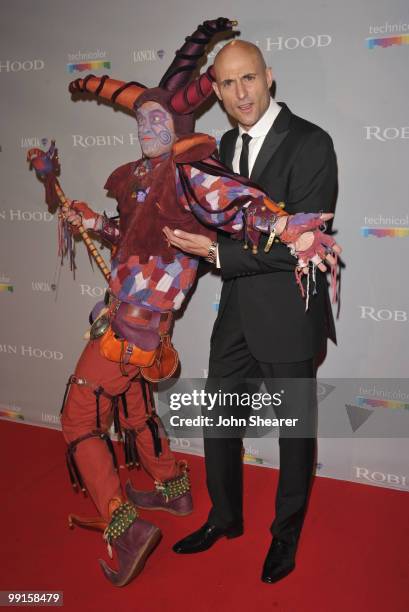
[
  {"x": 243, "y": 84},
  {"x": 156, "y": 131}
]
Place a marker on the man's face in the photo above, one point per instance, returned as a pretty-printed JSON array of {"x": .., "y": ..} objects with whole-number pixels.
[
  {"x": 242, "y": 84},
  {"x": 156, "y": 131}
]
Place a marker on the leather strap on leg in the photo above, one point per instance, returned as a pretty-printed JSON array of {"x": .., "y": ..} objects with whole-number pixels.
[
  {"x": 73, "y": 470},
  {"x": 154, "y": 429},
  {"x": 131, "y": 452}
]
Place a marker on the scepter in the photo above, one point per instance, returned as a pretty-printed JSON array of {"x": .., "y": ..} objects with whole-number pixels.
[{"x": 46, "y": 165}]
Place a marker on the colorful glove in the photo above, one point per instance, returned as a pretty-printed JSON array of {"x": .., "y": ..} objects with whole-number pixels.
[
  {"x": 302, "y": 223},
  {"x": 81, "y": 213}
]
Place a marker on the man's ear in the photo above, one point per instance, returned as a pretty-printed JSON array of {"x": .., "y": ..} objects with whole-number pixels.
[
  {"x": 269, "y": 77},
  {"x": 216, "y": 89}
]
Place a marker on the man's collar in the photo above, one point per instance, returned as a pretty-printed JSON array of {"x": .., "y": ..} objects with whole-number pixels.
[{"x": 263, "y": 125}]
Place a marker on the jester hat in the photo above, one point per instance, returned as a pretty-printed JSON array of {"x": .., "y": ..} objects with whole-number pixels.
[{"x": 176, "y": 92}]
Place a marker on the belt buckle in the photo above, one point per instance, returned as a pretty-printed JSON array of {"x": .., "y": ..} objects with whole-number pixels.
[{"x": 99, "y": 327}]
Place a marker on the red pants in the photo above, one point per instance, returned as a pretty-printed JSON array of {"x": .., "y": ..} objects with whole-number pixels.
[{"x": 92, "y": 455}]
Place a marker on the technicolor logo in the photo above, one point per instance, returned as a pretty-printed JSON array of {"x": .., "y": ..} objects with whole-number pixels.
[
  {"x": 387, "y": 41},
  {"x": 251, "y": 459},
  {"x": 385, "y": 232},
  {"x": 11, "y": 411},
  {"x": 11, "y": 414},
  {"x": 90, "y": 60},
  {"x": 5, "y": 284},
  {"x": 386, "y": 227},
  {"x": 89, "y": 66},
  {"x": 372, "y": 402},
  {"x": 397, "y": 35}
]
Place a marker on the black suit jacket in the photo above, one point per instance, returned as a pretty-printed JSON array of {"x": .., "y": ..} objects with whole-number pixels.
[{"x": 297, "y": 165}]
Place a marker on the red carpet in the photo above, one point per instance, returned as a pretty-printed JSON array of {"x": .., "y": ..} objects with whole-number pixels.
[{"x": 353, "y": 554}]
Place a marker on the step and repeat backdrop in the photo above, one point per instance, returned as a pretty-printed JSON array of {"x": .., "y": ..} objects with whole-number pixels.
[{"x": 340, "y": 65}]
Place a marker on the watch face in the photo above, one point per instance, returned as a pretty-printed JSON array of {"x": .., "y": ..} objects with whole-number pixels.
[{"x": 99, "y": 327}]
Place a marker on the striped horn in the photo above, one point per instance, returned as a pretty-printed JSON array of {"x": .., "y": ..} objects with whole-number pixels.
[
  {"x": 105, "y": 88},
  {"x": 187, "y": 57},
  {"x": 189, "y": 98}
]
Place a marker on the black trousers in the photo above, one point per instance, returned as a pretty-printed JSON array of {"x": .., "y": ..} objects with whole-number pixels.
[{"x": 231, "y": 359}]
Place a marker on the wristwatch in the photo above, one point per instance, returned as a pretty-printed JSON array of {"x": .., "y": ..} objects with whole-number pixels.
[{"x": 212, "y": 253}]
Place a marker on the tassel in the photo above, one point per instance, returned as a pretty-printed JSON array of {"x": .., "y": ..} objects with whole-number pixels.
[
  {"x": 131, "y": 452},
  {"x": 66, "y": 244},
  {"x": 67, "y": 388},
  {"x": 314, "y": 279},
  {"x": 145, "y": 398},
  {"x": 70, "y": 472},
  {"x": 151, "y": 396},
  {"x": 334, "y": 277},
  {"x": 307, "y": 301},
  {"x": 124, "y": 404},
  {"x": 115, "y": 409},
  {"x": 298, "y": 277},
  {"x": 133, "y": 448},
  {"x": 98, "y": 393},
  {"x": 127, "y": 449},
  {"x": 154, "y": 429},
  {"x": 76, "y": 470},
  {"x": 111, "y": 449}
]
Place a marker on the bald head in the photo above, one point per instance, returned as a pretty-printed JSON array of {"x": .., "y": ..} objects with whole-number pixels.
[
  {"x": 242, "y": 82},
  {"x": 233, "y": 50}
]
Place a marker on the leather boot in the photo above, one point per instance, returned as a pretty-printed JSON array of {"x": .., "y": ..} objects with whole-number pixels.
[
  {"x": 172, "y": 496},
  {"x": 132, "y": 539}
]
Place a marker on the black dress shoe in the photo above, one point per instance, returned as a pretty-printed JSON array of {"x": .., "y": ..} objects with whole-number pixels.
[
  {"x": 204, "y": 538},
  {"x": 280, "y": 561}
]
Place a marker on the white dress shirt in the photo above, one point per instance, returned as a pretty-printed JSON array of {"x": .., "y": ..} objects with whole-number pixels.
[{"x": 258, "y": 132}]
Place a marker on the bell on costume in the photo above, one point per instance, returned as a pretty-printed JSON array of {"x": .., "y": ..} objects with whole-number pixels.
[{"x": 172, "y": 496}]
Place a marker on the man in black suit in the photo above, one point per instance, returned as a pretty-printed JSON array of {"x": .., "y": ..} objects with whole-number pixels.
[{"x": 262, "y": 329}]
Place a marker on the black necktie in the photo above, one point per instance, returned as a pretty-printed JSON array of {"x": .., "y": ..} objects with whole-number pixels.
[{"x": 244, "y": 156}]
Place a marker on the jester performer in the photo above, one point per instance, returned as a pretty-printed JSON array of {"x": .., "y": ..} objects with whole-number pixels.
[{"x": 178, "y": 183}]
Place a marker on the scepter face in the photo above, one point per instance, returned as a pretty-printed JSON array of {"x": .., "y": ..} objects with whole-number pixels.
[{"x": 156, "y": 131}]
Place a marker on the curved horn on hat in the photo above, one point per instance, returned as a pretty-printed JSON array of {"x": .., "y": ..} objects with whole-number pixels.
[
  {"x": 189, "y": 98},
  {"x": 118, "y": 92},
  {"x": 180, "y": 71}
]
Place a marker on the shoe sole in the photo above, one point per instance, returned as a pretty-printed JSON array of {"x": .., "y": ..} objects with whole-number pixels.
[
  {"x": 140, "y": 561},
  {"x": 228, "y": 536}
]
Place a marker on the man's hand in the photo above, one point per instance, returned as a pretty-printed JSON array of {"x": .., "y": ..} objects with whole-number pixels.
[{"x": 195, "y": 244}]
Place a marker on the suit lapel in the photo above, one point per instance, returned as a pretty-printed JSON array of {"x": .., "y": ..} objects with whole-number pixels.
[
  {"x": 272, "y": 141},
  {"x": 270, "y": 145},
  {"x": 229, "y": 146}
]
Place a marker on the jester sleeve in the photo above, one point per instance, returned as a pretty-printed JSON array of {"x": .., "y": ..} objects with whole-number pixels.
[{"x": 225, "y": 203}]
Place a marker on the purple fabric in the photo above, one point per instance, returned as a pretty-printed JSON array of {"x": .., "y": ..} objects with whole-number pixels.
[
  {"x": 96, "y": 311},
  {"x": 132, "y": 549}
]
